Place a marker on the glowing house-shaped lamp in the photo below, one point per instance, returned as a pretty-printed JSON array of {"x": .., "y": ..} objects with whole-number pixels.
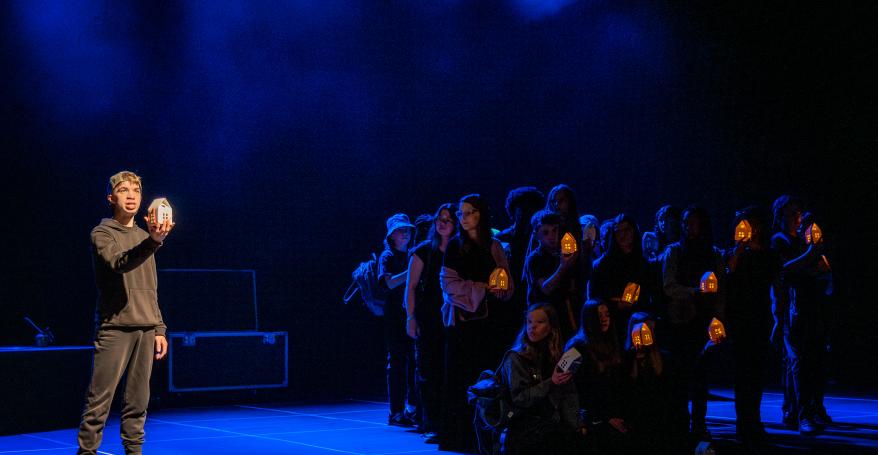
[
  {"x": 499, "y": 279},
  {"x": 568, "y": 244},
  {"x": 631, "y": 293},
  {"x": 813, "y": 234},
  {"x": 641, "y": 336},
  {"x": 743, "y": 231},
  {"x": 160, "y": 211},
  {"x": 716, "y": 331},
  {"x": 709, "y": 283}
]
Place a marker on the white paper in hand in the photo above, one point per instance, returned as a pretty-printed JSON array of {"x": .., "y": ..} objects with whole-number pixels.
[{"x": 570, "y": 361}]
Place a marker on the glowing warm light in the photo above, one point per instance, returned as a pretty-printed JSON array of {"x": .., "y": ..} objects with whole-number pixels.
[
  {"x": 568, "y": 244},
  {"x": 716, "y": 331},
  {"x": 709, "y": 283},
  {"x": 743, "y": 231},
  {"x": 160, "y": 211},
  {"x": 499, "y": 279},
  {"x": 641, "y": 335},
  {"x": 813, "y": 234},
  {"x": 646, "y": 334},
  {"x": 631, "y": 293}
]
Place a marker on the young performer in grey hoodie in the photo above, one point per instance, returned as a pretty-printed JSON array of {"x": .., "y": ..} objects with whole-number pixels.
[{"x": 130, "y": 331}]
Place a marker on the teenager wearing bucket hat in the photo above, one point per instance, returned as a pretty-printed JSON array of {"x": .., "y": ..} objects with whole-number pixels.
[{"x": 392, "y": 269}]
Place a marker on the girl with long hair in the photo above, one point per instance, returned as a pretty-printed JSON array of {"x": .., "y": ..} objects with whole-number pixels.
[
  {"x": 657, "y": 420},
  {"x": 544, "y": 398},
  {"x": 623, "y": 263},
  {"x": 469, "y": 302},
  {"x": 690, "y": 310},
  {"x": 600, "y": 381},
  {"x": 751, "y": 269},
  {"x": 423, "y": 303}
]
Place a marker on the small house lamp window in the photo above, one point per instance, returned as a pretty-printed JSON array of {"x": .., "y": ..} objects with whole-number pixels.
[
  {"x": 160, "y": 211},
  {"x": 813, "y": 234},
  {"x": 641, "y": 336},
  {"x": 631, "y": 293},
  {"x": 709, "y": 283},
  {"x": 743, "y": 231},
  {"x": 568, "y": 244},
  {"x": 716, "y": 331},
  {"x": 499, "y": 279}
]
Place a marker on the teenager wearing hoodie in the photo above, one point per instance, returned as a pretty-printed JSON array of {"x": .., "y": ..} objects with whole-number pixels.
[{"x": 130, "y": 331}]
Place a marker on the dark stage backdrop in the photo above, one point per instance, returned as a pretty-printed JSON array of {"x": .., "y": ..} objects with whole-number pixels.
[{"x": 285, "y": 133}]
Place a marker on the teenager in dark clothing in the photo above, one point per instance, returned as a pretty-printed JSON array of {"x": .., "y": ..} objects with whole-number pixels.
[
  {"x": 392, "y": 268},
  {"x": 657, "y": 421},
  {"x": 544, "y": 398},
  {"x": 562, "y": 200},
  {"x": 521, "y": 204},
  {"x": 689, "y": 310},
  {"x": 130, "y": 332},
  {"x": 423, "y": 304},
  {"x": 751, "y": 269},
  {"x": 797, "y": 308},
  {"x": 472, "y": 343},
  {"x": 623, "y": 263},
  {"x": 600, "y": 380},
  {"x": 824, "y": 275},
  {"x": 590, "y": 229},
  {"x": 551, "y": 276},
  {"x": 665, "y": 232}
]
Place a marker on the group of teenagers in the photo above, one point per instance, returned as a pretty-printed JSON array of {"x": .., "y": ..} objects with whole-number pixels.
[{"x": 446, "y": 320}]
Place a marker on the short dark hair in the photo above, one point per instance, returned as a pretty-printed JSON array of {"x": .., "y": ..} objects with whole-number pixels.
[
  {"x": 524, "y": 197},
  {"x": 545, "y": 217}
]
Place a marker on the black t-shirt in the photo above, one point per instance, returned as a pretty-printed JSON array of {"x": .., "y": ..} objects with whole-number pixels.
[
  {"x": 748, "y": 291},
  {"x": 393, "y": 262},
  {"x": 540, "y": 266},
  {"x": 475, "y": 264},
  {"x": 428, "y": 293}
]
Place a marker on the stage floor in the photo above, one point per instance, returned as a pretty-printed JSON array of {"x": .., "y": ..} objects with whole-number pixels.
[{"x": 359, "y": 427}]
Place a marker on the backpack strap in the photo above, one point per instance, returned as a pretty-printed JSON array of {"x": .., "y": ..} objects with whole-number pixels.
[{"x": 351, "y": 292}]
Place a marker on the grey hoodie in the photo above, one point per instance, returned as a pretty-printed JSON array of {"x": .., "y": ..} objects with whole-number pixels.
[{"x": 125, "y": 275}]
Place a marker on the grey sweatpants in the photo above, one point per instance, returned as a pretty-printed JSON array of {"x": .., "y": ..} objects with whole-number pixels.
[{"x": 118, "y": 350}]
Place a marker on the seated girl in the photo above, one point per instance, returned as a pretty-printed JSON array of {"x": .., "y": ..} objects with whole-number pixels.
[{"x": 544, "y": 398}]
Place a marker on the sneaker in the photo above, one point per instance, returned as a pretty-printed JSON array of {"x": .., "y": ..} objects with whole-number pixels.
[
  {"x": 807, "y": 427},
  {"x": 399, "y": 419},
  {"x": 431, "y": 438}
]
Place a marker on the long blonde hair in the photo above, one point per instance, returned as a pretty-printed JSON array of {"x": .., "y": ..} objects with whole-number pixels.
[{"x": 528, "y": 349}]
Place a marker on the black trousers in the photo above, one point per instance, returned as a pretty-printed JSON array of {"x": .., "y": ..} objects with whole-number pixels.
[
  {"x": 750, "y": 348},
  {"x": 687, "y": 346},
  {"x": 400, "y": 361},
  {"x": 465, "y": 358},
  {"x": 804, "y": 349},
  {"x": 430, "y": 371}
]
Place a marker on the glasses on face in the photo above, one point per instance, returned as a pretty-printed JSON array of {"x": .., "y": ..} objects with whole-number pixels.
[{"x": 461, "y": 214}]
